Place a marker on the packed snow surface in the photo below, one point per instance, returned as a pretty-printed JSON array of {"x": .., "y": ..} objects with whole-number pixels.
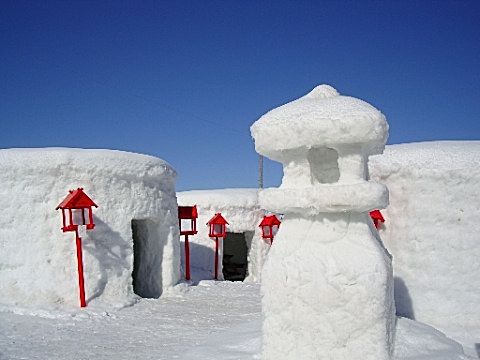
[
  {"x": 323, "y": 117},
  {"x": 432, "y": 228},
  {"x": 38, "y": 266},
  {"x": 211, "y": 321}
]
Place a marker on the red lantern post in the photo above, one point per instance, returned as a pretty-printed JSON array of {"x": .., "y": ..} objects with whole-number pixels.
[
  {"x": 187, "y": 222},
  {"x": 73, "y": 208},
  {"x": 269, "y": 226},
  {"x": 377, "y": 217},
  {"x": 217, "y": 230}
]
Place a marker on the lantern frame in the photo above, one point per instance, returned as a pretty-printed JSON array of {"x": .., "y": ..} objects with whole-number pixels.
[
  {"x": 73, "y": 211},
  {"x": 217, "y": 226},
  {"x": 188, "y": 213},
  {"x": 269, "y": 222}
]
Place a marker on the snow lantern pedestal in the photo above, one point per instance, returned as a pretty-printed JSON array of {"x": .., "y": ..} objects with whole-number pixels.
[{"x": 327, "y": 283}]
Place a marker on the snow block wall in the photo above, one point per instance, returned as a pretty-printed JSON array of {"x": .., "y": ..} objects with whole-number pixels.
[
  {"x": 241, "y": 209},
  {"x": 327, "y": 283},
  {"x": 37, "y": 260},
  {"x": 432, "y": 228}
]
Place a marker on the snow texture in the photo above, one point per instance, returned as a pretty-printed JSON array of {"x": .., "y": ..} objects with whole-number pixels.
[
  {"x": 38, "y": 266},
  {"x": 432, "y": 229},
  {"x": 241, "y": 209},
  {"x": 211, "y": 321},
  {"x": 327, "y": 283}
]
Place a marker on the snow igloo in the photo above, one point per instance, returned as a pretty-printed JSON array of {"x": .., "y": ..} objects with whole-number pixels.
[{"x": 132, "y": 251}]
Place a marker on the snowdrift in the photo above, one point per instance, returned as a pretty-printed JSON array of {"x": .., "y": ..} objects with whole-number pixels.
[{"x": 37, "y": 261}]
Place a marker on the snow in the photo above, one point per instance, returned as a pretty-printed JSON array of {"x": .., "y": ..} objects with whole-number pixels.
[
  {"x": 327, "y": 283},
  {"x": 38, "y": 267},
  {"x": 431, "y": 228},
  {"x": 211, "y": 321},
  {"x": 322, "y": 118},
  {"x": 241, "y": 209}
]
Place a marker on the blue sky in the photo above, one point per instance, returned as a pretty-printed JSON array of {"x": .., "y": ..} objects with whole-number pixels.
[{"x": 184, "y": 80}]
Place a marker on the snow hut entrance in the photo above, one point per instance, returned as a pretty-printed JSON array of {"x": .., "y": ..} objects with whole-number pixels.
[
  {"x": 147, "y": 255},
  {"x": 235, "y": 257}
]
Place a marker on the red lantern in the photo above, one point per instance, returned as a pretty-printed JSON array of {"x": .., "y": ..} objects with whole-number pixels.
[
  {"x": 269, "y": 226},
  {"x": 187, "y": 222},
  {"x": 377, "y": 217},
  {"x": 77, "y": 211},
  {"x": 218, "y": 229}
]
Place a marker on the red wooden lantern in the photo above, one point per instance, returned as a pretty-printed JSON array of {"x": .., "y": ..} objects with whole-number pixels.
[
  {"x": 217, "y": 229},
  {"x": 377, "y": 217},
  {"x": 77, "y": 211},
  {"x": 187, "y": 222},
  {"x": 269, "y": 226}
]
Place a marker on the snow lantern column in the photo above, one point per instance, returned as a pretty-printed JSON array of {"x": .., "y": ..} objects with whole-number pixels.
[{"x": 327, "y": 283}]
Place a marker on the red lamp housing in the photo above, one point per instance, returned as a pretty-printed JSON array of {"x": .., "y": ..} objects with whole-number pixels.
[
  {"x": 74, "y": 208},
  {"x": 218, "y": 228},
  {"x": 269, "y": 226},
  {"x": 377, "y": 217},
  {"x": 187, "y": 220}
]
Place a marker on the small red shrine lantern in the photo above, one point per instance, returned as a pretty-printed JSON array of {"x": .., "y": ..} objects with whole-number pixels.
[
  {"x": 187, "y": 222},
  {"x": 269, "y": 226},
  {"x": 218, "y": 226},
  {"x": 217, "y": 229},
  {"x": 73, "y": 208},
  {"x": 377, "y": 217}
]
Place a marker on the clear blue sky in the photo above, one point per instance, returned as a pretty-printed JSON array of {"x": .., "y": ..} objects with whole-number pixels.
[{"x": 184, "y": 80}]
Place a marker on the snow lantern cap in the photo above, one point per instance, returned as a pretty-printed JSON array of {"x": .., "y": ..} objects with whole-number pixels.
[{"x": 322, "y": 117}]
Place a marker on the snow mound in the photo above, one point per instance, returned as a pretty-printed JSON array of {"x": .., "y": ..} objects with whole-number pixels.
[
  {"x": 37, "y": 262},
  {"x": 320, "y": 118},
  {"x": 432, "y": 229}
]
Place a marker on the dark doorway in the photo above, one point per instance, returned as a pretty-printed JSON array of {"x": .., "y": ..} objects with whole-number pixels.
[
  {"x": 235, "y": 257},
  {"x": 145, "y": 259}
]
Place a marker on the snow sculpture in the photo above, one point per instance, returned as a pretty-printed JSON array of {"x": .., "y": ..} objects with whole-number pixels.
[
  {"x": 327, "y": 282},
  {"x": 133, "y": 249}
]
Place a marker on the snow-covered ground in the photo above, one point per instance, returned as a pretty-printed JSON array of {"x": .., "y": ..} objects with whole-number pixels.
[{"x": 213, "y": 320}]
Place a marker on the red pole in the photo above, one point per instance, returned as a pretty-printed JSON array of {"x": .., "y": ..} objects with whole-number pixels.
[
  {"x": 187, "y": 259},
  {"x": 216, "y": 258},
  {"x": 81, "y": 285}
]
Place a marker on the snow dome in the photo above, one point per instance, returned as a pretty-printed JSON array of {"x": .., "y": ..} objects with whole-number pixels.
[{"x": 132, "y": 250}]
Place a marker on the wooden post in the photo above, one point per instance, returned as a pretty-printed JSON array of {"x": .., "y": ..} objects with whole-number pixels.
[
  {"x": 81, "y": 283},
  {"x": 187, "y": 259},
  {"x": 216, "y": 258}
]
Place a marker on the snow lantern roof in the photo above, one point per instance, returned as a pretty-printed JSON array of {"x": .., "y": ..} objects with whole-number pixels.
[
  {"x": 322, "y": 117},
  {"x": 218, "y": 219},
  {"x": 76, "y": 199},
  {"x": 270, "y": 220}
]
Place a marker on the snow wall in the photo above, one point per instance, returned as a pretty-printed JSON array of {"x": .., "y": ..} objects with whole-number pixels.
[
  {"x": 240, "y": 208},
  {"x": 38, "y": 265},
  {"x": 432, "y": 228}
]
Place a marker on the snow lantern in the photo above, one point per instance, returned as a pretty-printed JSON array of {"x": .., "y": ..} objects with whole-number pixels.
[
  {"x": 76, "y": 204},
  {"x": 328, "y": 275},
  {"x": 218, "y": 229},
  {"x": 269, "y": 226},
  {"x": 377, "y": 218},
  {"x": 187, "y": 222}
]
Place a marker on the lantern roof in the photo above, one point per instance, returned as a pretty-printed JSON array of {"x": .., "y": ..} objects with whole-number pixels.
[
  {"x": 218, "y": 219},
  {"x": 377, "y": 215},
  {"x": 76, "y": 199},
  {"x": 270, "y": 220},
  {"x": 187, "y": 212}
]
